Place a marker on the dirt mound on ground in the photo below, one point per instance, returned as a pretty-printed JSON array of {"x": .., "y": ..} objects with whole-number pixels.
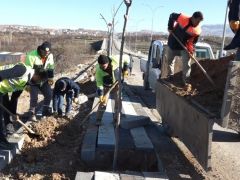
[
  {"x": 56, "y": 154},
  {"x": 203, "y": 92}
]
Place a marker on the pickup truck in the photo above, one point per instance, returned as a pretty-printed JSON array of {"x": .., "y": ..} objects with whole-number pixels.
[
  {"x": 185, "y": 118},
  {"x": 151, "y": 67}
]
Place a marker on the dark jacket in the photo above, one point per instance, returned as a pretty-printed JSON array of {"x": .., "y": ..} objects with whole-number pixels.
[
  {"x": 234, "y": 8},
  {"x": 234, "y": 15},
  {"x": 180, "y": 32},
  {"x": 70, "y": 86}
]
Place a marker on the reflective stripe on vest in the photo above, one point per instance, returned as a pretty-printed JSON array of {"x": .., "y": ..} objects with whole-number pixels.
[
  {"x": 8, "y": 66},
  {"x": 183, "y": 21}
]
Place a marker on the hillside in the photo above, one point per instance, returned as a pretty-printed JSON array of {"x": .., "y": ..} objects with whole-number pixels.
[{"x": 216, "y": 30}]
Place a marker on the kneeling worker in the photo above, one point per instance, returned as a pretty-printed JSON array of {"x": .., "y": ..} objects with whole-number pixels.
[
  {"x": 15, "y": 79},
  {"x": 107, "y": 71},
  {"x": 65, "y": 86}
]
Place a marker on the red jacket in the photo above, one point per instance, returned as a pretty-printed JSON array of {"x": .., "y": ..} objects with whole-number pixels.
[{"x": 182, "y": 27}]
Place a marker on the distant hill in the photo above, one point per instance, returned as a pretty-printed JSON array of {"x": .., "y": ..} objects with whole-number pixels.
[
  {"x": 216, "y": 30},
  {"x": 207, "y": 30}
]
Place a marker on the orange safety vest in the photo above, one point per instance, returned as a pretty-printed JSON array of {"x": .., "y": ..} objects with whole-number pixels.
[
  {"x": 183, "y": 21},
  {"x": 191, "y": 31}
]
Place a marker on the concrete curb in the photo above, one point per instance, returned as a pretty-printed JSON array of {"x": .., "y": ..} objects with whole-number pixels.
[{"x": 6, "y": 155}]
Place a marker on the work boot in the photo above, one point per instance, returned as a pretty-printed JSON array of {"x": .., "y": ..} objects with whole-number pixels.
[
  {"x": 55, "y": 113},
  {"x": 4, "y": 144},
  {"x": 69, "y": 115},
  {"x": 10, "y": 129},
  {"x": 29, "y": 116},
  {"x": 47, "y": 111},
  {"x": 32, "y": 116}
]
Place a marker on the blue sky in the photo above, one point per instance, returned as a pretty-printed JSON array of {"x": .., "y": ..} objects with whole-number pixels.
[{"x": 75, "y": 14}]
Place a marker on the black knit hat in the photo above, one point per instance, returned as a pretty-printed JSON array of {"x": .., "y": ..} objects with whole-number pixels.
[
  {"x": 198, "y": 14},
  {"x": 44, "y": 49},
  {"x": 61, "y": 85},
  {"x": 102, "y": 59},
  {"x": 46, "y": 46}
]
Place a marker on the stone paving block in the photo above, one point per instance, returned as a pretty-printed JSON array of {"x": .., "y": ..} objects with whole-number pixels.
[
  {"x": 141, "y": 139},
  {"x": 7, "y": 154},
  {"x": 155, "y": 176},
  {"x": 134, "y": 122},
  {"x": 107, "y": 117},
  {"x": 84, "y": 176},
  {"x": 89, "y": 144},
  {"x": 106, "y": 137},
  {"x": 2, "y": 162},
  {"x": 106, "y": 176},
  {"x": 131, "y": 176},
  {"x": 17, "y": 141},
  {"x": 106, "y": 134},
  {"x": 130, "y": 118},
  {"x": 92, "y": 118}
]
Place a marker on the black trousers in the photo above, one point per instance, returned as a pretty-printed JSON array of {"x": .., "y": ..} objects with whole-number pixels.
[{"x": 10, "y": 104}]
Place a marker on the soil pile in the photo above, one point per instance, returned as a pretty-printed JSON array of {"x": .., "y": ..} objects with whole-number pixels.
[
  {"x": 56, "y": 154},
  {"x": 203, "y": 92}
]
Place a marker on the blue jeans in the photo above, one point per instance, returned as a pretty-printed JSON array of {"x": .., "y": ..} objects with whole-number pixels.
[{"x": 58, "y": 101}]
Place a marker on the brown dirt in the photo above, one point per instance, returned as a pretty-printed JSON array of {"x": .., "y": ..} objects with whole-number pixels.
[
  {"x": 202, "y": 91},
  {"x": 55, "y": 155}
]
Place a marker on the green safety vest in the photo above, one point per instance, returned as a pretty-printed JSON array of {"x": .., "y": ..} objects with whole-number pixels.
[
  {"x": 115, "y": 64},
  {"x": 17, "y": 83},
  {"x": 34, "y": 60}
]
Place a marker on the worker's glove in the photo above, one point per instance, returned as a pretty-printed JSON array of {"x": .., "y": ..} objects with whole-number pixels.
[
  {"x": 76, "y": 100},
  {"x": 50, "y": 82},
  {"x": 125, "y": 70},
  {"x": 234, "y": 25},
  {"x": 125, "y": 74},
  {"x": 103, "y": 100}
]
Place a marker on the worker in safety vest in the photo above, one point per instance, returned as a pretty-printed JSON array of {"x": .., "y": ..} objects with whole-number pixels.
[
  {"x": 187, "y": 30},
  {"x": 15, "y": 78},
  {"x": 234, "y": 23},
  {"x": 41, "y": 59},
  {"x": 107, "y": 71}
]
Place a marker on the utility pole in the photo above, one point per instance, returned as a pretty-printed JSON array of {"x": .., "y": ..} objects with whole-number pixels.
[
  {"x": 153, "y": 13},
  {"x": 109, "y": 34}
]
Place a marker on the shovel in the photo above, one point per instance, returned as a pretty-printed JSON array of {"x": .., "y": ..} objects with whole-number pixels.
[
  {"x": 86, "y": 117},
  {"x": 196, "y": 61},
  {"x": 30, "y": 133}
]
